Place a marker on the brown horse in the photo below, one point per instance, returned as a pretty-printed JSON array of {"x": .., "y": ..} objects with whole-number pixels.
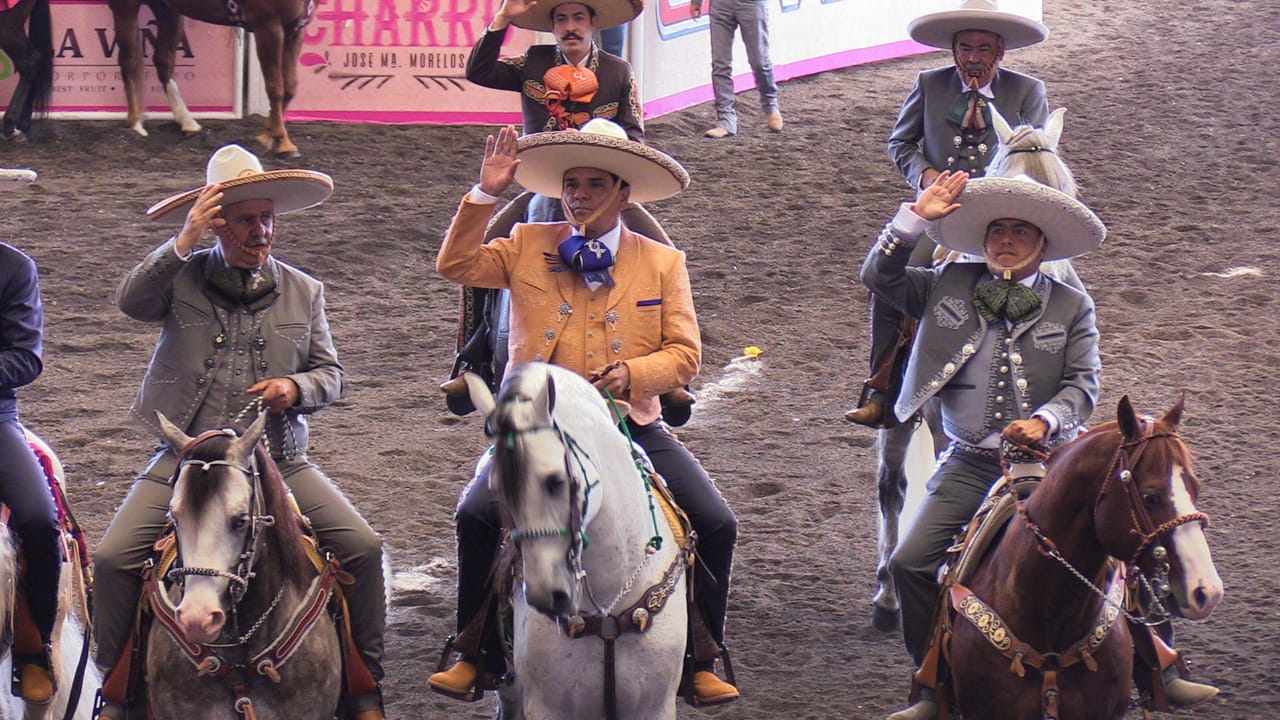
[
  {"x": 26, "y": 36},
  {"x": 277, "y": 31},
  {"x": 1037, "y": 632}
]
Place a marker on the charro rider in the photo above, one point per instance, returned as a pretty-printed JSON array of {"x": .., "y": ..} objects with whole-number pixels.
[
  {"x": 945, "y": 124},
  {"x": 605, "y": 302},
  {"x": 240, "y": 330},
  {"x": 33, "y": 516}
]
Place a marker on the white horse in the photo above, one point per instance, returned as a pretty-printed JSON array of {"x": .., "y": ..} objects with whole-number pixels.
[
  {"x": 596, "y": 552},
  {"x": 68, "y": 631},
  {"x": 905, "y": 456}
]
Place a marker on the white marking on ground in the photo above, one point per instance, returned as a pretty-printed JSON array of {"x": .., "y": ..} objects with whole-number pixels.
[
  {"x": 435, "y": 576},
  {"x": 1232, "y": 272},
  {"x": 737, "y": 374}
]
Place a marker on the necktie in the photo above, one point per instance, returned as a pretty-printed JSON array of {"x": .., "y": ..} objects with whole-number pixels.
[
  {"x": 970, "y": 111},
  {"x": 1008, "y": 300},
  {"x": 589, "y": 257}
]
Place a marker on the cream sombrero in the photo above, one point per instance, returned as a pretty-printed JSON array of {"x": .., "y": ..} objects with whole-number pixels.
[
  {"x": 13, "y": 178},
  {"x": 1069, "y": 228},
  {"x": 609, "y": 13},
  {"x": 937, "y": 29},
  {"x": 546, "y": 156},
  {"x": 240, "y": 174}
]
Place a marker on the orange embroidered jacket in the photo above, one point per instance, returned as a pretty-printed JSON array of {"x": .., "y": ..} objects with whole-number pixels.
[{"x": 646, "y": 319}]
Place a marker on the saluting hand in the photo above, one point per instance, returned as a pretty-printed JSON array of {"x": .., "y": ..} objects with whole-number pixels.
[
  {"x": 515, "y": 8},
  {"x": 205, "y": 215},
  {"x": 939, "y": 199},
  {"x": 499, "y": 167}
]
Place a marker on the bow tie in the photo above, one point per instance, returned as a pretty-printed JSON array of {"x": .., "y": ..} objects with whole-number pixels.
[
  {"x": 970, "y": 111},
  {"x": 1008, "y": 300},
  {"x": 589, "y": 257}
]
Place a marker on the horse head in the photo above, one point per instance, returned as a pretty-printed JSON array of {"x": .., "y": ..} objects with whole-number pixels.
[
  {"x": 1032, "y": 151},
  {"x": 546, "y": 474},
  {"x": 1146, "y": 513},
  {"x": 218, "y": 509}
]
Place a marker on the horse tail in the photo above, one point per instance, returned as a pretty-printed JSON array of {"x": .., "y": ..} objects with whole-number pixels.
[{"x": 40, "y": 32}]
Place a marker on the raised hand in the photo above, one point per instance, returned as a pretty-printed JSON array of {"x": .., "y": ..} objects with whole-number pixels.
[
  {"x": 515, "y": 8},
  {"x": 939, "y": 199},
  {"x": 205, "y": 215},
  {"x": 499, "y": 167}
]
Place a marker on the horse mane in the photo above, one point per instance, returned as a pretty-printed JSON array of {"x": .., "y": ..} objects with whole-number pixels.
[
  {"x": 1032, "y": 152},
  {"x": 297, "y": 566},
  {"x": 1165, "y": 454}
]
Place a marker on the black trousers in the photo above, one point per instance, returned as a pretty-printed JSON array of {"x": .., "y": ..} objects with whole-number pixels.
[
  {"x": 479, "y": 533},
  {"x": 34, "y": 519}
]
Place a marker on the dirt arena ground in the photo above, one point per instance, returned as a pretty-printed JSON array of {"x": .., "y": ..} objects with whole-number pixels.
[{"x": 1171, "y": 133}]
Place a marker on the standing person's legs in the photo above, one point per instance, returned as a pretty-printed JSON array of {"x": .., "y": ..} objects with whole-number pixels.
[
  {"x": 753, "y": 18},
  {"x": 339, "y": 527},
  {"x": 118, "y": 559},
  {"x": 724, "y": 23},
  {"x": 614, "y": 40},
  {"x": 955, "y": 492}
]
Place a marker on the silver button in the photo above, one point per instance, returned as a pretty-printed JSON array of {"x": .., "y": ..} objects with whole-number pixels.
[
  {"x": 1008, "y": 341},
  {"x": 999, "y": 416},
  {"x": 1000, "y": 398},
  {"x": 591, "y": 333},
  {"x": 968, "y": 349},
  {"x": 1004, "y": 368},
  {"x": 949, "y": 368},
  {"x": 591, "y": 354},
  {"x": 1022, "y": 383},
  {"x": 1000, "y": 384},
  {"x": 933, "y": 384},
  {"x": 1004, "y": 356},
  {"x": 1026, "y": 406},
  {"x": 1016, "y": 358},
  {"x": 592, "y": 316}
]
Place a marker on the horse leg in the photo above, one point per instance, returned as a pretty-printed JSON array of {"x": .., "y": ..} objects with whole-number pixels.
[
  {"x": 891, "y": 488},
  {"x": 269, "y": 39},
  {"x": 124, "y": 14},
  {"x": 19, "y": 111},
  {"x": 168, "y": 32},
  {"x": 289, "y": 70}
]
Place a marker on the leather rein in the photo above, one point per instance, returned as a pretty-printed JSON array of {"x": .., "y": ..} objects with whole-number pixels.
[{"x": 991, "y": 626}]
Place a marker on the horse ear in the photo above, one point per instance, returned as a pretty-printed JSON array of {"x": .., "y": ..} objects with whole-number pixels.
[
  {"x": 1127, "y": 417},
  {"x": 243, "y": 446},
  {"x": 1173, "y": 418},
  {"x": 1053, "y": 128},
  {"x": 1003, "y": 131},
  {"x": 174, "y": 435},
  {"x": 481, "y": 397}
]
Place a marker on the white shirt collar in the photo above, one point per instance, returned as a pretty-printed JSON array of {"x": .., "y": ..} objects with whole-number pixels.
[{"x": 984, "y": 91}]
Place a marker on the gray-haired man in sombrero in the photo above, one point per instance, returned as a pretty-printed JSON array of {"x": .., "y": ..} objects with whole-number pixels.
[
  {"x": 612, "y": 305},
  {"x": 240, "y": 332}
]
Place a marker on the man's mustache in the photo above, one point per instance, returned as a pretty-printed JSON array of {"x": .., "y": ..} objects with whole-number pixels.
[{"x": 571, "y": 36}]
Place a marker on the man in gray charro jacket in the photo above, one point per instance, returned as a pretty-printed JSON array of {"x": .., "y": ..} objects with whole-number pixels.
[
  {"x": 241, "y": 332},
  {"x": 1009, "y": 351}
]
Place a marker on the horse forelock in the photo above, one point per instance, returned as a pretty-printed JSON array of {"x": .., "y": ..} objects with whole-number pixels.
[
  {"x": 1031, "y": 152},
  {"x": 197, "y": 494},
  {"x": 297, "y": 567}
]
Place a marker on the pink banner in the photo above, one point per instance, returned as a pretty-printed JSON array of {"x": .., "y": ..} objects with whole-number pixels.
[
  {"x": 86, "y": 76},
  {"x": 400, "y": 61}
]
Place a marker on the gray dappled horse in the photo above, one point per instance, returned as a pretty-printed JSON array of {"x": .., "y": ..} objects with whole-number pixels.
[
  {"x": 1024, "y": 150},
  {"x": 243, "y": 592}
]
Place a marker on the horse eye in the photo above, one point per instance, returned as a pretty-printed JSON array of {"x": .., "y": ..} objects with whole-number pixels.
[
  {"x": 240, "y": 521},
  {"x": 553, "y": 484},
  {"x": 1153, "y": 500}
]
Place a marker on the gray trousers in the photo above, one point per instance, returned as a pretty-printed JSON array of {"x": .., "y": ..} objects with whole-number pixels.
[
  {"x": 752, "y": 17},
  {"x": 118, "y": 560},
  {"x": 955, "y": 492}
]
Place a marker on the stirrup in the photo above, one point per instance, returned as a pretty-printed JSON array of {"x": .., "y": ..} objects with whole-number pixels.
[{"x": 43, "y": 660}]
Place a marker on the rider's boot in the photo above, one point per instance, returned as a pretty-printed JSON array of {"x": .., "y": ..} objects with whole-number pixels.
[
  {"x": 1184, "y": 694},
  {"x": 459, "y": 681},
  {"x": 926, "y": 708},
  {"x": 709, "y": 689},
  {"x": 35, "y": 681},
  {"x": 870, "y": 412}
]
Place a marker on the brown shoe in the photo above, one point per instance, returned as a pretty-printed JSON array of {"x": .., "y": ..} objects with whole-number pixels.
[
  {"x": 775, "y": 121},
  {"x": 1184, "y": 694},
  {"x": 717, "y": 132},
  {"x": 871, "y": 414},
  {"x": 711, "y": 690},
  {"x": 367, "y": 715},
  {"x": 455, "y": 387},
  {"x": 457, "y": 682},
  {"x": 926, "y": 709},
  {"x": 35, "y": 683}
]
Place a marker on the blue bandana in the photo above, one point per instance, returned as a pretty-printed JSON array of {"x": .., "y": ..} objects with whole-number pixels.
[{"x": 590, "y": 257}]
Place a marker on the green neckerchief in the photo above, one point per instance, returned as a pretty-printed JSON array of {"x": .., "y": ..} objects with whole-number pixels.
[{"x": 1005, "y": 299}]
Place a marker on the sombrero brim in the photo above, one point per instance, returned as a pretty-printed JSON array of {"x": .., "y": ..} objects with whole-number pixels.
[
  {"x": 938, "y": 29},
  {"x": 290, "y": 190},
  {"x": 13, "y": 178},
  {"x": 1069, "y": 227},
  {"x": 609, "y": 14},
  {"x": 545, "y": 156}
]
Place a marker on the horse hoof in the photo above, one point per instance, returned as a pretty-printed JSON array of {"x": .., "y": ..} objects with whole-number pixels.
[
  {"x": 885, "y": 620},
  {"x": 288, "y": 154}
]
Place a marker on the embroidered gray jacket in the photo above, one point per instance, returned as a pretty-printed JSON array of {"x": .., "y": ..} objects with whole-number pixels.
[{"x": 1047, "y": 363}]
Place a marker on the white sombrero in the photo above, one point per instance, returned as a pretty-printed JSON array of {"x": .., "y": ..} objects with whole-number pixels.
[
  {"x": 937, "y": 29},
  {"x": 602, "y": 144},
  {"x": 12, "y": 178},
  {"x": 609, "y": 13},
  {"x": 1069, "y": 228},
  {"x": 240, "y": 174}
]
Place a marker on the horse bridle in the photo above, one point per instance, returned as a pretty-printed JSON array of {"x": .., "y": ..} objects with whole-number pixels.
[{"x": 258, "y": 519}]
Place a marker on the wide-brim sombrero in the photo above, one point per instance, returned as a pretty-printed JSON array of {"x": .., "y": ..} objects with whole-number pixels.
[
  {"x": 11, "y": 178},
  {"x": 1069, "y": 228},
  {"x": 609, "y": 13},
  {"x": 240, "y": 174},
  {"x": 937, "y": 29},
  {"x": 546, "y": 156}
]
